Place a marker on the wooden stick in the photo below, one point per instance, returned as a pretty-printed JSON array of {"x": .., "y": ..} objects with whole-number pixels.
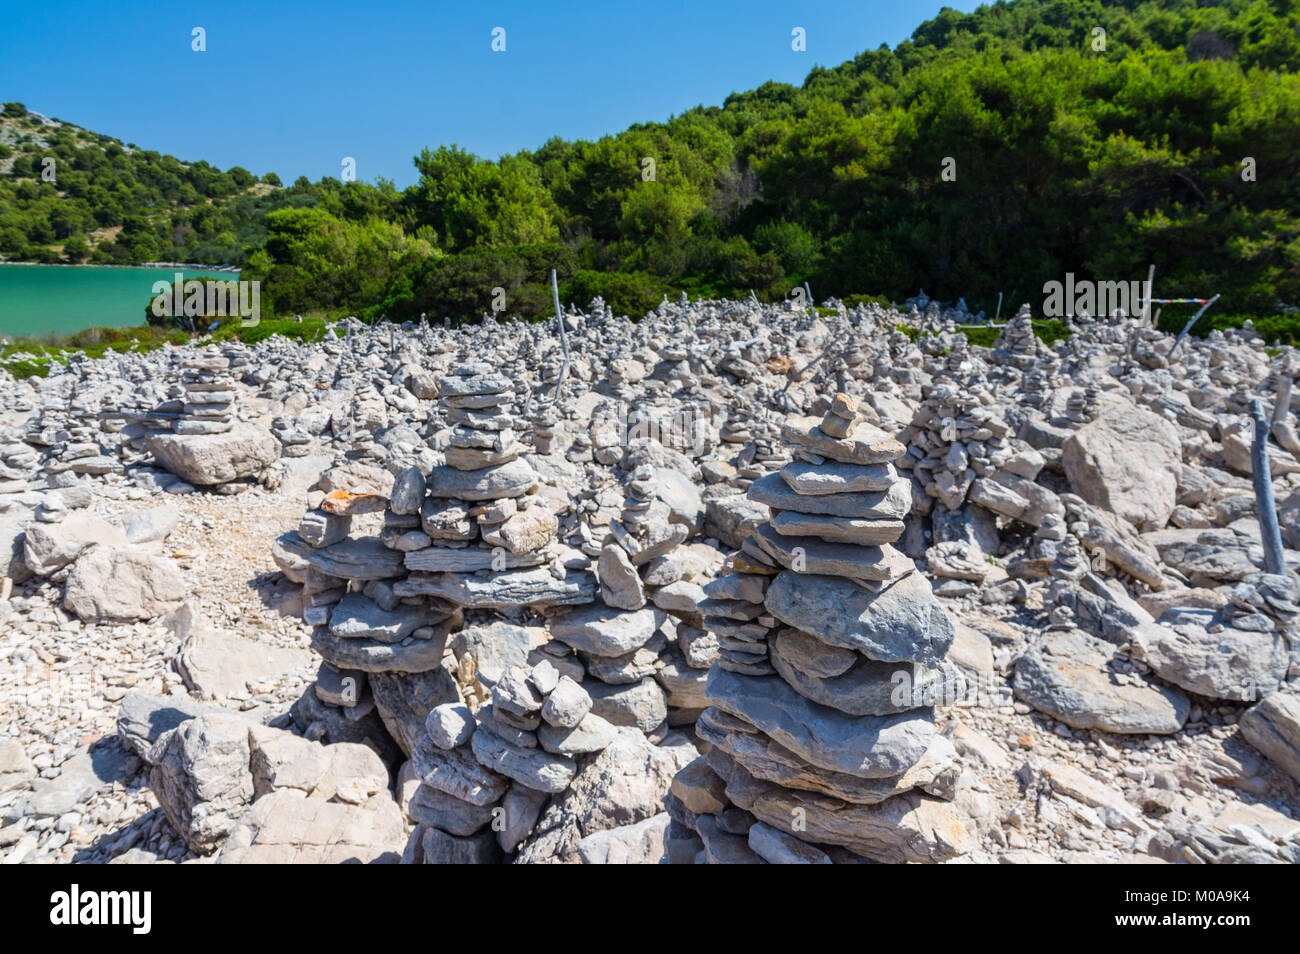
[
  {"x": 1271, "y": 536},
  {"x": 1150, "y": 293},
  {"x": 564, "y": 336},
  {"x": 1283, "y": 405},
  {"x": 1188, "y": 327}
]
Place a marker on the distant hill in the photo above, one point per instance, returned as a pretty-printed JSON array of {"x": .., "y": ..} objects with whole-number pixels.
[
  {"x": 990, "y": 153},
  {"x": 114, "y": 203}
]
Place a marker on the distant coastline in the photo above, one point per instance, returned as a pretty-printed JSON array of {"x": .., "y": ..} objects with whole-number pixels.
[{"x": 189, "y": 266}]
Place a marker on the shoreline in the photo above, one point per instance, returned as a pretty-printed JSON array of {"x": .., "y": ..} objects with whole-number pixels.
[{"x": 150, "y": 265}]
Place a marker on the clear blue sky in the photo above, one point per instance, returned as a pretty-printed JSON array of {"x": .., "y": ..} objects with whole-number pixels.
[{"x": 295, "y": 87}]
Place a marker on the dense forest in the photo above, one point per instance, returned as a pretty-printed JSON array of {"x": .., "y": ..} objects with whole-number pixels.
[{"x": 991, "y": 152}]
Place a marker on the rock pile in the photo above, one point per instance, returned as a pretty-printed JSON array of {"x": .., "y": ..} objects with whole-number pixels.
[
  {"x": 209, "y": 406},
  {"x": 1085, "y": 509},
  {"x": 822, "y": 740},
  {"x": 485, "y": 775}
]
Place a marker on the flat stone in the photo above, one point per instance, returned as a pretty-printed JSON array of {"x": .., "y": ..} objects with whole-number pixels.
[
  {"x": 833, "y": 477},
  {"x": 1066, "y": 676},
  {"x": 862, "y": 746},
  {"x": 360, "y": 559},
  {"x": 814, "y": 555},
  {"x": 591, "y": 734},
  {"x": 866, "y": 444},
  {"x": 813, "y": 657},
  {"x": 910, "y": 828},
  {"x": 488, "y": 382},
  {"x": 368, "y": 655},
  {"x": 357, "y": 617},
  {"x": 902, "y": 623},
  {"x": 468, "y": 560},
  {"x": 533, "y": 768},
  {"x": 536, "y": 587},
  {"x": 892, "y": 504},
  {"x": 605, "y": 631},
  {"x": 862, "y": 532},
  {"x": 512, "y": 479},
  {"x": 868, "y": 687},
  {"x": 764, "y": 758}
]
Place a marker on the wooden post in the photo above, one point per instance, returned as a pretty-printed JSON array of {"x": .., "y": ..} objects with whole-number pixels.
[
  {"x": 564, "y": 336},
  {"x": 1282, "y": 407},
  {"x": 1274, "y": 561},
  {"x": 1149, "y": 293}
]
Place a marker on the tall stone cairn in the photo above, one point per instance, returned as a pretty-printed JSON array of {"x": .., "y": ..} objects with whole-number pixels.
[
  {"x": 209, "y": 395},
  {"x": 823, "y": 746}
]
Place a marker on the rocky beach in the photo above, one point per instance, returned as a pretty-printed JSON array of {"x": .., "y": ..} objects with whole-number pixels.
[{"x": 728, "y": 583}]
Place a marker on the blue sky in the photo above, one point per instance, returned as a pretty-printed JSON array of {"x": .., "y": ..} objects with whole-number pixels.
[{"x": 295, "y": 87}]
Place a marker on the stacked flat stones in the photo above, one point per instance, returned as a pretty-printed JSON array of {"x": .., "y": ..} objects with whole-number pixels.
[
  {"x": 381, "y": 653},
  {"x": 468, "y": 535},
  {"x": 479, "y": 536},
  {"x": 834, "y": 757},
  {"x": 209, "y": 406},
  {"x": 1017, "y": 342},
  {"x": 485, "y": 775}
]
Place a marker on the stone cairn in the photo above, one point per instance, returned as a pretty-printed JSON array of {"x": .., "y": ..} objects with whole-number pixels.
[
  {"x": 468, "y": 536},
  {"x": 485, "y": 774},
  {"x": 1016, "y": 343},
  {"x": 497, "y": 727},
  {"x": 821, "y": 731},
  {"x": 954, "y": 438},
  {"x": 209, "y": 395}
]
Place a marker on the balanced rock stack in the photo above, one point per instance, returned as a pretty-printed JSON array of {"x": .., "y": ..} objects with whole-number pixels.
[
  {"x": 1017, "y": 343},
  {"x": 835, "y": 756},
  {"x": 209, "y": 395},
  {"x": 207, "y": 446},
  {"x": 481, "y": 537},
  {"x": 485, "y": 775},
  {"x": 467, "y": 535},
  {"x": 954, "y": 439}
]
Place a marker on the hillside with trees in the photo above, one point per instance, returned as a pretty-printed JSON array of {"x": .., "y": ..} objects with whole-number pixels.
[{"x": 991, "y": 152}]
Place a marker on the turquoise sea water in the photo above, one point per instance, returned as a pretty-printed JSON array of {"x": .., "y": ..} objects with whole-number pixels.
[{"x": 38, "y": 299}]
